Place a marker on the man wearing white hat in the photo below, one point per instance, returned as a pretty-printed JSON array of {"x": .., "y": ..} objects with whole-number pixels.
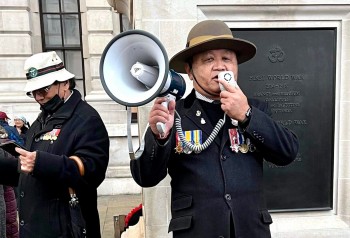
[
  {"x": 67, "y": 128},
  {"x": 214, "y": 155}
]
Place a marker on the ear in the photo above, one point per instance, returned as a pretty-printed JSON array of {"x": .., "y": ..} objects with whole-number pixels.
[
  {"x": 66, "y": 85},
  {"x": 189, "y": 71}
]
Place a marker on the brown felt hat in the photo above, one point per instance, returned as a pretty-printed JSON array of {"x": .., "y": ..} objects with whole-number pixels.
[{"x": 211, "y": 35}]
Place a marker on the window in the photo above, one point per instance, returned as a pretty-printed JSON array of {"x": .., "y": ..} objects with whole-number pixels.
[{"x": 61, "y": 32}]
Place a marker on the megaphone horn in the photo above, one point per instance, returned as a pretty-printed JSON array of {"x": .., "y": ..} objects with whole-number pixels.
[{"x": 134, "y": 69}]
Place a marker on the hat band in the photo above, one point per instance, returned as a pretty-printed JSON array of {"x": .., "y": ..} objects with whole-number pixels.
[
  {"x": 33, "y": 72},
  {"x": 200, "y": 39}
]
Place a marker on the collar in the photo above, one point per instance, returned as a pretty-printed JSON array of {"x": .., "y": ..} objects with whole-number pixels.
[
  {"x": 71, "y": 93},
  {"x": 204, "y": 98}
]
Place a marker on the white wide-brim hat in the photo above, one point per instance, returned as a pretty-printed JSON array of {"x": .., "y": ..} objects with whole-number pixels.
[{"x": 43, "y": 69}]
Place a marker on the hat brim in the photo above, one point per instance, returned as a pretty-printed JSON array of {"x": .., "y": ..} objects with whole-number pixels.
[
  {"x": 47, "y": 79},
  {"x": 244, "y": 50}
]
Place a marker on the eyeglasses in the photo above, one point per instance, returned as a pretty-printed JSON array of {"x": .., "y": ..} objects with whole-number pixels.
[{"x": 40, "y": 91}]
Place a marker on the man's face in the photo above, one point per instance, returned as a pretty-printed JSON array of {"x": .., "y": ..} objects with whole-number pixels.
[{"x": 205, "y": 68}]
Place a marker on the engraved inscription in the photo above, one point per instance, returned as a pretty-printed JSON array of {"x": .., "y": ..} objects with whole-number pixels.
[
  {"x": 280, "y": 90},
  {"x": 285, "y": 93}
]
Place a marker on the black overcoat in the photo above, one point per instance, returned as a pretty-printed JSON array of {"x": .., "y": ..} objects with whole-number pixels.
[
  {"x": 75, "y": 129},
  {"x": 217, "y": 189}
]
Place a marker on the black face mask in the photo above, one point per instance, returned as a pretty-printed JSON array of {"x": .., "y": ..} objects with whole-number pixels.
[{"x": 52, "y": 105}]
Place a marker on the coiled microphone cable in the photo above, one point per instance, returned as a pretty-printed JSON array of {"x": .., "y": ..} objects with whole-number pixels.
[{"x": 197, "y": 148}]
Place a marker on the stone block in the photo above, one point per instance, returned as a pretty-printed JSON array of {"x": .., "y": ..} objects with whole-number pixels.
[
  {"x": 14, "y": 3},
  {"x": 15, "y": 44},
  {"x": 156, "y": 206},
  {"x": 344, "y": 162},
  {"x": 96, "y": 3},
  {"x": 98, "y": 42},
  {"x": 15, "y": 21},
  {"x": 99, "y": 20},
  {"x": 111, "y": 186},
  {"x": 12, "y": 68}
]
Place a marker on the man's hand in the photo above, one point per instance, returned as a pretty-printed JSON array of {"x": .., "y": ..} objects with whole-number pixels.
[
  {"x": 233, "y": 101},
  {"x": 27, "y": 160},
  {"x": 159, "y": 113}
]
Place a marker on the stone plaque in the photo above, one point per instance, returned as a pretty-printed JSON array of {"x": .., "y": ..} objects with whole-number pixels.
[{"x": 294, "y": 71}]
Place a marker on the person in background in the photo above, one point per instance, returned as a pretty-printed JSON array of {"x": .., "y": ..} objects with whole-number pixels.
[
  {"x": 8, "y": 204},
  {"x": 22, "y": 126},
  {"x": 12, "y": 132},
  {"x": 67, "y": 128},
  {"x": 216, "y": 186}
]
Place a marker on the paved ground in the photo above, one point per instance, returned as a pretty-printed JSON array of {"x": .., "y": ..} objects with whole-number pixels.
[{"x": 109, "y": 206}]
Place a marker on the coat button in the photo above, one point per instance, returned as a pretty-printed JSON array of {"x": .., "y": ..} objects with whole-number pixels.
[
  {"x": 228, "y": 197},
  {"x": 21, "y": 223},
  {"x": 37, "y": 139},
  {"x": 223, "y": 157},
  {"x": 22, "y": 194}
]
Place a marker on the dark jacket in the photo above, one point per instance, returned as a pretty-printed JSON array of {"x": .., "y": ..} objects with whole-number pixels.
[
  {"x": 217, "y": 189},
  {"x": 75, "y": 129}
]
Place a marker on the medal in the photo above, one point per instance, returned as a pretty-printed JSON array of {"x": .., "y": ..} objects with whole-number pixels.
[
  {"x": 194, "y": 137},
  {"x": 178, "y": 149},
  {"x": 252, "y": 148},
  {"x": 233, "y": 134},
  {"x": 243, "y": 148},
  {"x": 187, "y": 150}
]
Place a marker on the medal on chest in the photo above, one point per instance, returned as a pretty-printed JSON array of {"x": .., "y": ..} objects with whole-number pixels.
[
  {"x": 51, "y": 135},
  {"x": 194, "y": 137},
  {"x": 239, "y": 143}
]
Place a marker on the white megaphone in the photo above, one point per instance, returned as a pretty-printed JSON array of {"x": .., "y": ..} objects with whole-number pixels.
[{"x": 134, "y": 69}]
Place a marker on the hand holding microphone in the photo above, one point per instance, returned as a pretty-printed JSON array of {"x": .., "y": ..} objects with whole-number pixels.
[
  {"x": 161, "y": 117},
  {"x": 233, "y": 101}
]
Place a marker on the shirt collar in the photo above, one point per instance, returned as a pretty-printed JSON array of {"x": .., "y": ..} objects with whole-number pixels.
[{"x": 202, "y": 97}]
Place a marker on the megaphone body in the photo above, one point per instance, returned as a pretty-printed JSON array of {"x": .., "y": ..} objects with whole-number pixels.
[
  {"x": 117, "y": 69},
  {"x": 134, "y": 69}
]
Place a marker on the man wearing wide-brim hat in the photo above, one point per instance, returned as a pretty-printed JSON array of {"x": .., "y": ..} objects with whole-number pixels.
[
  {"x": 216, "y": 174},
  {"x": 68, "y": 132}
]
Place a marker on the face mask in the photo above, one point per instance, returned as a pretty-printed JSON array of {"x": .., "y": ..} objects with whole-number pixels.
[{"x": 52, "y": 105}]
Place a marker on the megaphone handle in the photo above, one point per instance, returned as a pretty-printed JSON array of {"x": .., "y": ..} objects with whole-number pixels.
[{"x": 160, "y": 125}]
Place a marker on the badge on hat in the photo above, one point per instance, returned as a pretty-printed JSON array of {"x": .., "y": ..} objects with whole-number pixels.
[{"x": 32, "y": 72}]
